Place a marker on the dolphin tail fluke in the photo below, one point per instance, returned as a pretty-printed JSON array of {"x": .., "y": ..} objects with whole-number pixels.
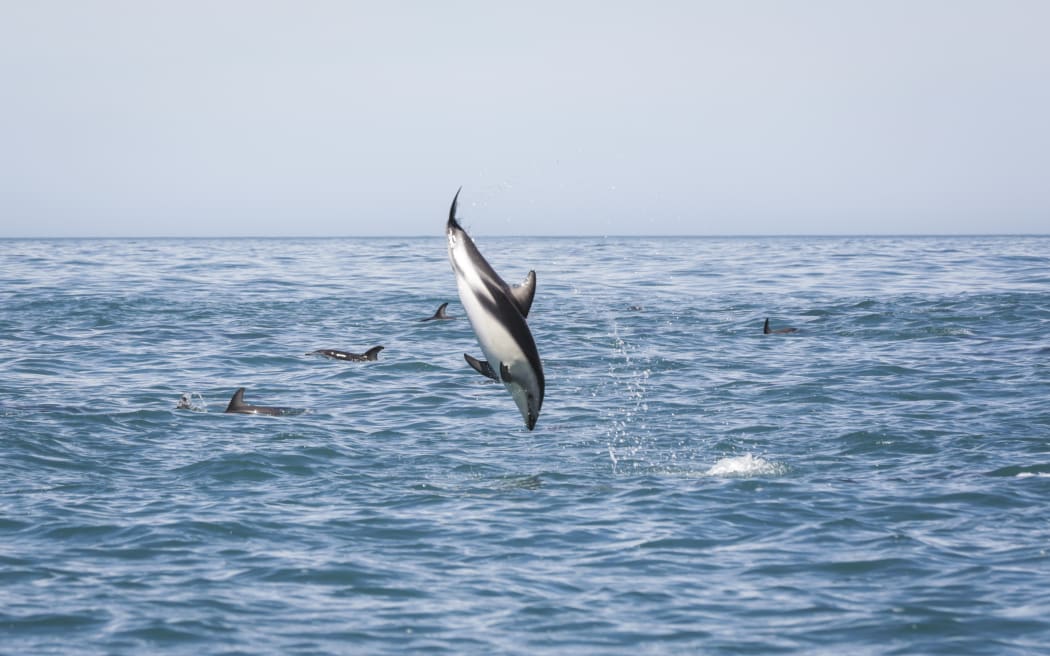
[
  {"x": 481, "y": 366},
  {"x": 452, "y": 210}
]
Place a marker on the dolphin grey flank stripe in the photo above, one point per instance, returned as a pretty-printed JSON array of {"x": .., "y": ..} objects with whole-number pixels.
[{"x": 497, "y": 314}]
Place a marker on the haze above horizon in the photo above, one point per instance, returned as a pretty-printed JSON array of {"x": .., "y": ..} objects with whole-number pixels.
[{"x": 583, "y": 118}]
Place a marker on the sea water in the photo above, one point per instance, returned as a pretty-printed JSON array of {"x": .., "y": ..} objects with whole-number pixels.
[{"x": 877, "y": 482}]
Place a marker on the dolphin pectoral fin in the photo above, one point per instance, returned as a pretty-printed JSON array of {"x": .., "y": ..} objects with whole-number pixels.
[
  {"x": 481, "y": 366},
  {"x": 504, "y": 373},
  {"x": 524, "y": 293}
]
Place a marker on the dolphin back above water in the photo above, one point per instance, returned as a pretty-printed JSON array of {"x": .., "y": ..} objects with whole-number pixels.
[
  {"x": 371, "y": 355},
  {"x": 766, "y": 330},
  {"x": 497, "y": 314},
  {"x": 238, "y": 406}
]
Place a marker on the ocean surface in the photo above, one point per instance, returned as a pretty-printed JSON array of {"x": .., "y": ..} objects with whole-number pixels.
[{"x": 877, "y": 482}]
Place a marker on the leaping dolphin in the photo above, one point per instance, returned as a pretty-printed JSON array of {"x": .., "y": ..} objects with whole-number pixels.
[
  {"x": 440, "y": 314},
  {"x": 497, "y": 314},
  {"x": 237, "y": 405},
  {"x": 370, "y": 355}
]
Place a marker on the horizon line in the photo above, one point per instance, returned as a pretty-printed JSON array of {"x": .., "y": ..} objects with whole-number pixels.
[{"x": 815, "y": 235}]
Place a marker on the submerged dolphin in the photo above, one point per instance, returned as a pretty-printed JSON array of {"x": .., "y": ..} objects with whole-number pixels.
[
  {"x": 440, "y": 314},
  {"x": 237, "y": 405},
  {"x": 370, "y": 355},
  {"x": 778, "y": 331},
  {"x": 497, "y": 314}
]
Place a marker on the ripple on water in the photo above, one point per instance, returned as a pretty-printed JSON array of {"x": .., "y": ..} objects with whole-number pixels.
[{"x": 874, "y": 483}]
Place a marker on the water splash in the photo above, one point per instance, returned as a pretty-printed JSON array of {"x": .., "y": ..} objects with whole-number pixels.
[
  {"x": 745, "y": 466},
  {"x": 193, "y": 401},
  {"x": 628, "y": 433}
]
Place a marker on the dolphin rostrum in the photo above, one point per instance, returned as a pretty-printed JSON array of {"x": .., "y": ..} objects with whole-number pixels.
[
  {"x": 497, "y": 314},
  {"x": 237, "y": 405},
  {"x": 779, "y": 331},
  {"x": 440, "y": 314},
  {"x": 370, "y": 355}
]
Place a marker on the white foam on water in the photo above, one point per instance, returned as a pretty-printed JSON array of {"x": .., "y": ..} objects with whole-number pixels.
[
  {"x": 744, "y": 466},
  {"x": 193, "y": 401}
]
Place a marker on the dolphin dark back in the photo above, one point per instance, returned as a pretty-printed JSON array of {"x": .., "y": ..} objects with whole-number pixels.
[{"x": 370, "y": 355}]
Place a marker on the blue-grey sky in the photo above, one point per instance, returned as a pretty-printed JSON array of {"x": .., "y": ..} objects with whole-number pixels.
[{"x": 201, "y": 118}]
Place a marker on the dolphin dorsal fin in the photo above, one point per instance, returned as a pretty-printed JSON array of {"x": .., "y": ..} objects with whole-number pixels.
[
  {"x": 765, "y": 327},
  {"x": 439, "y": 315},
  {"x": 524, "y": 293},
  {"x": 481, "y": 366},
  {"x": 237, "y": 400},
  {"x": 373, "y": 353}
]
